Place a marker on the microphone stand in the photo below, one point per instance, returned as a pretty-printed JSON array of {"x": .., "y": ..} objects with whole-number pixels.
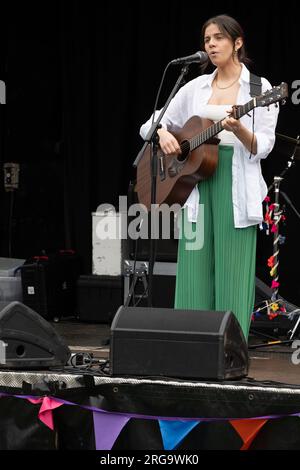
[
  {"x": 277, "y": 216},
  {"x": 277, "y": 212},
  {"x": 152, "y": 138}
]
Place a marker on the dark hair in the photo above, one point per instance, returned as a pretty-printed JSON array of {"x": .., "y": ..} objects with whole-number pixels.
[{"x": 230, "y": 27}]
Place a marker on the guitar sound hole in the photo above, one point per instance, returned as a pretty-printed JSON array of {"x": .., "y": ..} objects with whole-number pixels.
[{"x": 185, "y": 150}]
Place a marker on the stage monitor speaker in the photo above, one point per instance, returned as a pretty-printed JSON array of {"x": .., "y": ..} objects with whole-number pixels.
[
  {"x": 177, "y": 343},
  {"x": 27, "y": 340}
]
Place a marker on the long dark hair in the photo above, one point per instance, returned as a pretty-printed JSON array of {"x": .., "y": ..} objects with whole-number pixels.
[{"x": 231, "y": 28}]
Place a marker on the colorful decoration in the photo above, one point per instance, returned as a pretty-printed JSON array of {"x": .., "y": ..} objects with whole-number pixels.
[
  {"x": 173, "y": 432},
  {"x": 274, "y": 307},
  {"x": 273, "y": 216},
  {"x": 108, "y": 425},
  {"x": 281, "y": 240},
  {"x": 275, "y": 284},
  {"x": 248, "y": 430},
  {"x": 271, "y": 262},
  {"x": 272, "y": 272},
  {"x": 45, "y": 413}
]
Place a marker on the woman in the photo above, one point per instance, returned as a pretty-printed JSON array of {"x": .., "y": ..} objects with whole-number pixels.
[{"x": 221, "y": 275}]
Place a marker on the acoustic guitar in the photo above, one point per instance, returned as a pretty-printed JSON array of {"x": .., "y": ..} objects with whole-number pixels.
[{"x": 178, "y": 174}]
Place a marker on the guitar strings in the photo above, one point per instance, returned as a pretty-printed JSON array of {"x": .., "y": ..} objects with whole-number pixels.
[{"x": 211, "y": 131}]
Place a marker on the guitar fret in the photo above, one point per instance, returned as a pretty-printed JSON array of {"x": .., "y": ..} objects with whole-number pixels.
[{"x": 217, "y": 127}]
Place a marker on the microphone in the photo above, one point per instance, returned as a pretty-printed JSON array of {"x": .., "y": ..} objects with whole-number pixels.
[{"x": 200, "y": 57}]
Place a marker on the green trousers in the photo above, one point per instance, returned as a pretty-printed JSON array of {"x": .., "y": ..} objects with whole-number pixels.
[{"x": 221, "y": 274}]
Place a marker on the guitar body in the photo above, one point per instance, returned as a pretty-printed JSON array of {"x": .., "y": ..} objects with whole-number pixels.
[{"x": 178, "y": 174}]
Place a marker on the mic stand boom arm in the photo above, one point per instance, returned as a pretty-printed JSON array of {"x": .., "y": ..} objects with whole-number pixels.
[{"x": 155, "y": 126}]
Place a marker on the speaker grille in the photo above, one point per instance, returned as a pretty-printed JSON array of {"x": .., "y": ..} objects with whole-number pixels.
[
  {"x": 30, "y": 340},
  {"x": 177, "y": 343}
]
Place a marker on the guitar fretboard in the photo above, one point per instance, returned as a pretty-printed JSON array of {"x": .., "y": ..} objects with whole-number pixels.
[{"x": 213, "y": 130}]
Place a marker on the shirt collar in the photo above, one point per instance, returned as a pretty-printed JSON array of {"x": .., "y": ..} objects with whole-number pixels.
[{"x": 245, "y": 77}]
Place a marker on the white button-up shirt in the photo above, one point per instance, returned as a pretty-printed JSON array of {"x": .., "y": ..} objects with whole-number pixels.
[{"x": 248, "y": 186}]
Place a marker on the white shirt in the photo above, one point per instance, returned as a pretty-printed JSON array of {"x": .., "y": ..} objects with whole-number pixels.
[
  {"x": 248, "y": 186},
  {"x": 218, "y": 112}
]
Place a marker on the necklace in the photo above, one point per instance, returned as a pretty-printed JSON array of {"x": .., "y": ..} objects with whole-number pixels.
[{"x": 225, "y": 87}]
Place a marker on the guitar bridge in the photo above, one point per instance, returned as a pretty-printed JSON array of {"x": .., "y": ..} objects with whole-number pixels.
[{"x": 175, "y": 167}]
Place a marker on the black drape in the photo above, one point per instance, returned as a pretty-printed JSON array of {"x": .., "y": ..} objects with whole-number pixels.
[{"x": 93, "y": 71}]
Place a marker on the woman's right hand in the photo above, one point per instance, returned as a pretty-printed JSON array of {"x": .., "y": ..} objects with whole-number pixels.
[{"x": 168, "y": 144}]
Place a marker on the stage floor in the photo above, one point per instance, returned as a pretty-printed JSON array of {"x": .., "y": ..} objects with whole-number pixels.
[
  {"x": 230, "y": 413},
  {"x": 272, "y": 363}
]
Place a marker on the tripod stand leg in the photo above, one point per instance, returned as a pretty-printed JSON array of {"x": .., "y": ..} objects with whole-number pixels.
[
  {"x": 139, "y": 273},
  {"x": 295, "y": 328}
]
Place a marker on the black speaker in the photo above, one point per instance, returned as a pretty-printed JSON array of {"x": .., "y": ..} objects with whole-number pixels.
[
  {"x": 177, "y": 343},
  {"x": 49, "y": 284},
  {"x": 29, "y": 341}
]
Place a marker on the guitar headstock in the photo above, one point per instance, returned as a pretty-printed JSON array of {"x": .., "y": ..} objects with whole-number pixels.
[{"x": 277, "y": 93}]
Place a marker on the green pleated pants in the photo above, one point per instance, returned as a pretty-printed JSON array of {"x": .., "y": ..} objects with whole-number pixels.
[{"x": 220, "y": 275}]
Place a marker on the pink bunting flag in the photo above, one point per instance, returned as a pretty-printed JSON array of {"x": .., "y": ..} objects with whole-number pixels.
[
  {"x": 275, "y": 284},
  {"x": 45, "y": 413}
]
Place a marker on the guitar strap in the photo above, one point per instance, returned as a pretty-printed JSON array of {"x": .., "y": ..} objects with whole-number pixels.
[{"x": 255, "y": 85}]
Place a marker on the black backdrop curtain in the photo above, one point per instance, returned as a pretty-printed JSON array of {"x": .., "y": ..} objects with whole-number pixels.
[{"x": 84, "y": 76}]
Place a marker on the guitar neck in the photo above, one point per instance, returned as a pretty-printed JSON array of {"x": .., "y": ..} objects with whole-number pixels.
[{"x": 213, "y": 130}]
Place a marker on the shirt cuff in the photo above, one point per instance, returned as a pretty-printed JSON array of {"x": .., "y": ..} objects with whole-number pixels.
[{"x": 264, "y": 146}]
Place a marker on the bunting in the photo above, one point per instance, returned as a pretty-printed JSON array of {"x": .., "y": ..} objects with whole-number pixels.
[
  {"x": 248, "y": 430},
  {"x": 173, "y": 432}
]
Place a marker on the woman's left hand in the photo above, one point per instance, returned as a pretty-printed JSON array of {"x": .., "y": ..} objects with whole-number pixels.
[{"x": 231, "y": 124}]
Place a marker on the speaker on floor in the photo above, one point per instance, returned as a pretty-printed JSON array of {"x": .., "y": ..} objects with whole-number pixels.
[
  {"x": 27, "y": 340},
  {"x": 177, "y": 343}
]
